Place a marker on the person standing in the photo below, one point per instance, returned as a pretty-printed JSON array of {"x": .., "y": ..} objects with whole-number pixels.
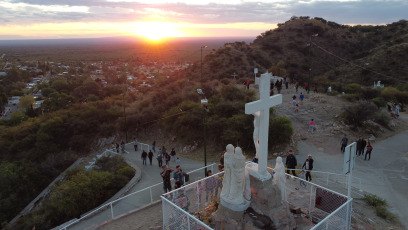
[
  {"x": 358, "y": 146},
  {"x": 297, "y": 108},
  {"x": 179, "y": 175},
  {"x": 363, "y": 145},
  {"x": 312, "y": 125},
  {"x": 368, "y": 152},
  {"x": 144, "y": 157},
  {"x": 154, "y": 146},
  {"x": 291, "y": 163},
  {"x": 150, "y": 155},
  {"x": 329, "y": 89},
  {"x": 297, "y": 86},
  {"x": 135, "y": 145},
  {"x": 247, "y": 84},
  {"x": 160, "y": 159},
  {"x": 167, "y": 158},
  {"x": 173, "y": 154},
  {"x": 343, "y": 143},
  {"x": 308, "y": 166},
  {"x": 397, "y": 110},
  {"x": 302, "y": 96},
  {"x": 166, "y": 178},
  {"x": 122, "y": 146},
  {"x": 287, "y": 82}
]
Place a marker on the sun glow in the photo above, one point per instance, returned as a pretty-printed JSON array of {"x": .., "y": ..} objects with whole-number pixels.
[{"x": 156, "y": 31}]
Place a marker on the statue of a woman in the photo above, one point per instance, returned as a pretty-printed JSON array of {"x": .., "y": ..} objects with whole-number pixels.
[
  {"x": 236, "y": 195},
  {"x": 279, "y": 178},
  {"x": 226, "y": 182}
]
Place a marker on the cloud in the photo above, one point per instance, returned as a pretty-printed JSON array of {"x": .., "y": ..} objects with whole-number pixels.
[{"x": 237, "y": 11}]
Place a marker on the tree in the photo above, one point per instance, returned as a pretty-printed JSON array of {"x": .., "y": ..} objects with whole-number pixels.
[{"x": 26, "y": 102}]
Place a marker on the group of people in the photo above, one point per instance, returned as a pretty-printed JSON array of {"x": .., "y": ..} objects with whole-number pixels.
[
  {"x": 394, "y": 110},
  {"x": 291, "y": 164},
  {"x": 361, "y": 145}
]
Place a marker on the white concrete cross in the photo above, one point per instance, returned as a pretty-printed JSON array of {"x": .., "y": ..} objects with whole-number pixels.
[
  {"x": 262, "y": 107},
  {"x": 234, "y": 75}
]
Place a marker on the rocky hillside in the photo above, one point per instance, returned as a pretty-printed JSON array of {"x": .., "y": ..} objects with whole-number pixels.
[{"x": 332, "y": 52}]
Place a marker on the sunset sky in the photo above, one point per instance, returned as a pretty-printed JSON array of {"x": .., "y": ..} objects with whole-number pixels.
[{"x": 38, "y": 19}]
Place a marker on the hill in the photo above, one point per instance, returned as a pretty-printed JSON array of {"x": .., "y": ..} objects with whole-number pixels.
[{"x": 332, "y": 52}]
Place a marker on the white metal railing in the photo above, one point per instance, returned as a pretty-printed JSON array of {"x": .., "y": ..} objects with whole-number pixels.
[
  {"x": 131, "y": 201},
  {"x": 181, "y": 207}
]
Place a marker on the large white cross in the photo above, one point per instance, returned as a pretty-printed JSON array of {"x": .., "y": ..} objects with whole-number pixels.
[{"x": 262, "y": 107}]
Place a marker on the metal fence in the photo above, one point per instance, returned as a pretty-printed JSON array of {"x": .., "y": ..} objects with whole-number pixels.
[
  {"x": 190, "y": 206},
  {"x": 127, "y": 203}
]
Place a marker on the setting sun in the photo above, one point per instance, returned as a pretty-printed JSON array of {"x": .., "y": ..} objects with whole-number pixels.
[{"x": 156, "y": 30}]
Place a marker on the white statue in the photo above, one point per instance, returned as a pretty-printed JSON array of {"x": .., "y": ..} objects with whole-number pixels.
[
  {"x": 226, "y": 182},
  {"x": 279, "y": 177},
  {"x": 256, "y": 133},
  {"x": 236, "y": 194}
]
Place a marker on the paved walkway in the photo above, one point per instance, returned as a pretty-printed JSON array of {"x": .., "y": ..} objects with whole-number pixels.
[
  {"x": 385, "y": 175},
  {"x": 150, "y": 176}
]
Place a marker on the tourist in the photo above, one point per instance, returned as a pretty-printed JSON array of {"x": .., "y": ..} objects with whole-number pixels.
[
  {"x": 303, "y": 177},
  {"x": 297, "y": 108},
  {"x": 312, "y": 125},
  {"x": 397, "y": 110},
  {"x": 368, "y": 152},
  {"x": 343, "y": 143},
  {"x": 173, "y": 154},
  {"x": 166, "y": 178},
  {"x": 297, "y": 86},
  {"x": 159, "y": 159},
  {"x": 302, "y": 96},
  {"x": 117, "y": 147},
  {"x": 150, "y": 155},
  {"x": 179, "y": 175},
  {"x": 247, "y": 84},
  {"x": 122, "y": 146},
  {"x": 291, "y": 163},
  {"x": 167, "y": 158},
  {"x": 294, "y": 103},
  {"x": 144, "y": 157},
  {"x": 315, "y": 88},
  {"x": 329, "y": 89},
  {"x": 359, "y": 145},
  {"x": 164, "y": 150},
  {"x": 154, "y": 146},
  {"x": 219, "y": 178},
  {"x": 363, "y": 145},
  {"x": 178, "y": 161},
  {"x": 308, "y": 166},
  {"x": 135, "y": 144},
  {"x": 287, "y": 82},
  {"x": 307, "y": 87}
]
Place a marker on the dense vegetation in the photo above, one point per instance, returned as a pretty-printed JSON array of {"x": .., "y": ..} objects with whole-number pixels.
[{"x": 79, "y": 192}]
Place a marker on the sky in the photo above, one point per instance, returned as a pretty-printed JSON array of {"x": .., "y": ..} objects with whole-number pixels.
[{"x": 49, "y": 19}]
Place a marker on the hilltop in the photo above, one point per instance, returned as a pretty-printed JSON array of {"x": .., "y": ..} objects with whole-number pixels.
[{"x": 332, "y": 52}]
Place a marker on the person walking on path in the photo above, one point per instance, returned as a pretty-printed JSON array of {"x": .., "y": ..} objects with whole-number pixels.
[
  {"x": 135, "y": 145},
  {"x": 154, "y": 146},
  {"x": 312, "y": 125},
  {"x": 343, "y": 143},
  {"x": 167, "y": 158},
  {"x": 302, "y": 96},
  {"x": 166, "y": 178},
  {"x": 308, "y": 166},
  {"x": 122, "y": 146},
  {"x": 368, "y": 152},
  {"x": 150, "y": 155},
  {"x": 287, "y": 80},
  {"x": 358, "y": 146},
  {"x": 179, "y": 175},
  {"x": 297, "y": 108},
  {"x": 173, "y": 154},
  {"x": 397, "y": 110},
  {"x": 363, "y": 145},
  {"x": 144, "y": 157},
  {"x": 160, "y": 159},
  {"x": 291, "y": 163}
]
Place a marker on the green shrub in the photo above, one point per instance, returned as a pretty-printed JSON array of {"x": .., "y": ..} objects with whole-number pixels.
[
  {"x": 353, "y": 88},
  {"x": 374, "y": 200},
  {"x": 280, "y": 130},
  {"x": 127, "y": 171},
  {"x": 356, "y": 114},
  {"x": 382, "y": 117},
  {"x": 370, "y": 93},
  {"x": 379, "y": 102},
  {"x": 333, "y": 93},
  {"x": 382, "y": 212},
  {"x": 351, "y": 97}
]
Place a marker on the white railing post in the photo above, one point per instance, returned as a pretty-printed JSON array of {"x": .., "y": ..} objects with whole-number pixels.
[
  {"x": 188, "y": 223},
  {"x": 212, "y": 168},
  {"x": 151, "y": 196},
  {"x": 111, "y": 208},
  {"x": 310, "y": 202}
]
